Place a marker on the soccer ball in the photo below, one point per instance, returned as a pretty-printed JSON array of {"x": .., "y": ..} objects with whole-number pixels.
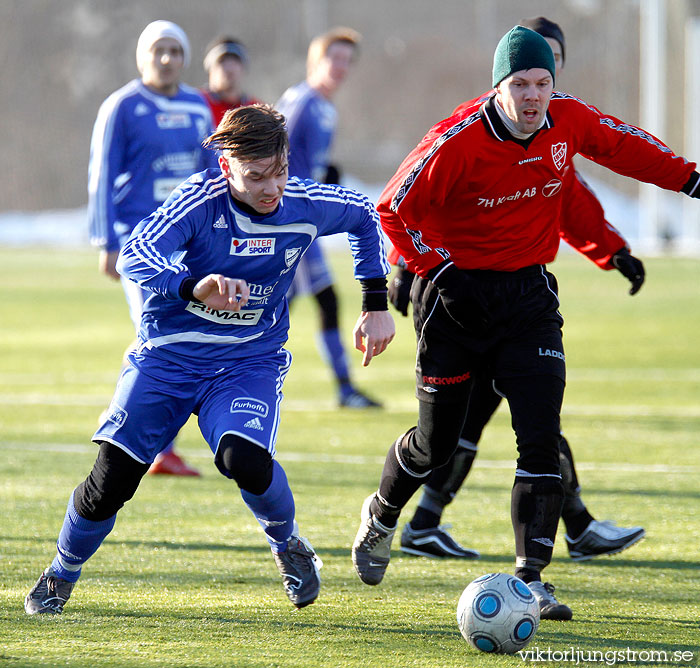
[{"x": 498, "y": 613}]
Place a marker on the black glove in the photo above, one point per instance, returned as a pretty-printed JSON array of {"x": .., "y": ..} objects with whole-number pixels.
[
  {"x": 400, "y": 290},
  {"x": 461, "y": 300},
  {"x": 630, "y": 267}
]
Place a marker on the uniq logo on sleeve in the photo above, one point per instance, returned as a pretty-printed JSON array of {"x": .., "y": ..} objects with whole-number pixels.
[{"x": 248, "y": 247}]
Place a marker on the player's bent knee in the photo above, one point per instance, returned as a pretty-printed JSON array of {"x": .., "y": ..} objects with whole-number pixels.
[
  {"x": 540, "y": 454},
  {"x": 245, "y": 462},
  {"x": 113, "y": 481}
]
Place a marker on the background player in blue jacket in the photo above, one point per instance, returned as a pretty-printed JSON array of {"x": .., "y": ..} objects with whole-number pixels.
[
  {"x": 217, "y": 259},
  {"x": 311, "y": 122},
  {"x": 146, "y": 141}
]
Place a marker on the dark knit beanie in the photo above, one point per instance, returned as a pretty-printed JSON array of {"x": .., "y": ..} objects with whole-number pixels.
[
  {"x": 546, "y": 28},
  {"x": 521, "y": 49}
]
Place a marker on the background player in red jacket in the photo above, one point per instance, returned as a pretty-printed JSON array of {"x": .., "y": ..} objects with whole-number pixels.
[
  {"x": 474, "y": 210},
  {"x": 226, "y": 62},
  {"x": 584, "y": 227}
]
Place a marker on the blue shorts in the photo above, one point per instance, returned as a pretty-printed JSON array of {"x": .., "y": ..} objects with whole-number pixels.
[
  {"x": 155, "y": 398},
  {"x": 312, "y": 275}
]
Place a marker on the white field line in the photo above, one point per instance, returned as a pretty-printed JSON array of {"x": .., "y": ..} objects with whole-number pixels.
[
  {"x": 594, "y": 374},
  {"x": 325, "y": 458},
  {"x": 403, "y": 405}
]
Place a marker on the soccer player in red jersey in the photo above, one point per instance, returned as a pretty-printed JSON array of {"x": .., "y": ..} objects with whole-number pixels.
[{"x": 474, "y": 210}]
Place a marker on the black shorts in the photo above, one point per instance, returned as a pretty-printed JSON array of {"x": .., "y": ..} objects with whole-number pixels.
[{"x": 522, "y": 336}]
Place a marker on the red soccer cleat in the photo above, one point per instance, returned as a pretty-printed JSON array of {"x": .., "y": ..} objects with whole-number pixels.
[{"x": 169, "y": 463}]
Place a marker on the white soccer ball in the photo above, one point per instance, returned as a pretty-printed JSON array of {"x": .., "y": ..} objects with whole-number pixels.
[{"x": 498, "y": 613}]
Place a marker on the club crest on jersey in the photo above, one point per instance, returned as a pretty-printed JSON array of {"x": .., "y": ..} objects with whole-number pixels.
[
  {"x": 559, "y": 154},
  {"x": 248, "y": 247},
  {"x": 291, "y": 255}
]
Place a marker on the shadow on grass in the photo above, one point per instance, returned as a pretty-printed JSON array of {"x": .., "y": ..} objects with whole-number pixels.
[{"x": 344, "y": 552}]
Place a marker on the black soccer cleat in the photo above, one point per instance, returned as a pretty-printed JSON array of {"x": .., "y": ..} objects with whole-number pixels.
[
  {"x": 356, "y": 399},
  {"x": 550, "y": 608},
  {"x": 602, "y": 538},
  {"x": 299, "y": 566},
  {"x": 434, "y": 542},
  {"x": 49, "y": 594}
]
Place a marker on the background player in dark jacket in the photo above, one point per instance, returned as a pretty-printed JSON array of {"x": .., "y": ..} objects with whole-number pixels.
[
  {"x": 475, "y": 210},
  {"x": 583, "y": 225}
]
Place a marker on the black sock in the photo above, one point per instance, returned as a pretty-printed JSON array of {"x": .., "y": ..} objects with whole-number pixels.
[
  {"x": 424, "y": 519},
  {"x": 576, "y": 524},
  {"x": 383, "y": 512},
  {"x": 527, "y": 575}
]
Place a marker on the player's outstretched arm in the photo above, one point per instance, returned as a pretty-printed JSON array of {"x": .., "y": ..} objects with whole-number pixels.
[
  {"x": 221, "y": 293},
  {"x": 373, "y": 332}
]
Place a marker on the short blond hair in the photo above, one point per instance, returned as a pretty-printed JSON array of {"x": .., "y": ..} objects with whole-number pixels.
[{"x": 319, "y": 45}]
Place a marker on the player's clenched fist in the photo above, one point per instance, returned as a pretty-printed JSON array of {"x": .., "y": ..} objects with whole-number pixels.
[{"x": 219, "y": 292}]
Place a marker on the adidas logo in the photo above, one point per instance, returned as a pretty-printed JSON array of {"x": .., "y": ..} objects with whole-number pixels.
[
  {"x": 221, "y": 224},
  {"x": 254, "y": 424},
  {"x": 141, "y": 109}
]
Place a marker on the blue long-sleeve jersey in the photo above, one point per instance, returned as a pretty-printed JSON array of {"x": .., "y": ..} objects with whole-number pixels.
[
  {"x": 143, "y": 145},
  {"x": 202, "y": 230},
  {"x": 311, "y": 124}
]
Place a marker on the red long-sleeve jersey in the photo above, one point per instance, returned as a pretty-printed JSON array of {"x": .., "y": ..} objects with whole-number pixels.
[
  {"x": 471, "y": 193},
  {"x": 582, "y": 224}
]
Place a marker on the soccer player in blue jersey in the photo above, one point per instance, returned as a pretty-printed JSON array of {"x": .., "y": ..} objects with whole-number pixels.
[
  {"x": 146, "y": 140},
  {"x": 311, "y": 121},
  {"x": 217, "y": 259}
]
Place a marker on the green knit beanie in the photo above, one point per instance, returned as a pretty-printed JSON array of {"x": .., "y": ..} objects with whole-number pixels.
[{"x": 521, "y": 49}]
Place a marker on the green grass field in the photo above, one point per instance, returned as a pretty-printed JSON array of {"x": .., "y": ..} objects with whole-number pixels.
[{"x": 186, "y": 577}]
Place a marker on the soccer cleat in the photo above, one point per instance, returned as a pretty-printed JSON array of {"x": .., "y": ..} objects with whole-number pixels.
[
  {"x": 299, "y": 567},
  {"x": 434, "y": 542},
  {"x": 601, "y": 538},
  {"x": 371, "y": 550},
  {"x": 355, "y": 399},
  {"x": 48, "y": 595},
  {"x": 550, "y": 608},
  {"x": 170, "y": 463}
]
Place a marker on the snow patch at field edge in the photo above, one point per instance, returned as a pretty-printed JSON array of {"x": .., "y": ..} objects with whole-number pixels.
[{"x": 69, "y": 227}]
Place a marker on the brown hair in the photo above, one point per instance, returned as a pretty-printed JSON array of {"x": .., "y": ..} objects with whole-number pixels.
[
  {"x": 319, "y": 45},
  {"x": 251, "y": 133}
]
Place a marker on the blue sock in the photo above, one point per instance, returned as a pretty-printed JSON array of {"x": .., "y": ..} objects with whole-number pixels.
[
  {"x": 77, "y": 542},
  {"x": 333, "y": 351},
  {"x": 274, "y": 509}
]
